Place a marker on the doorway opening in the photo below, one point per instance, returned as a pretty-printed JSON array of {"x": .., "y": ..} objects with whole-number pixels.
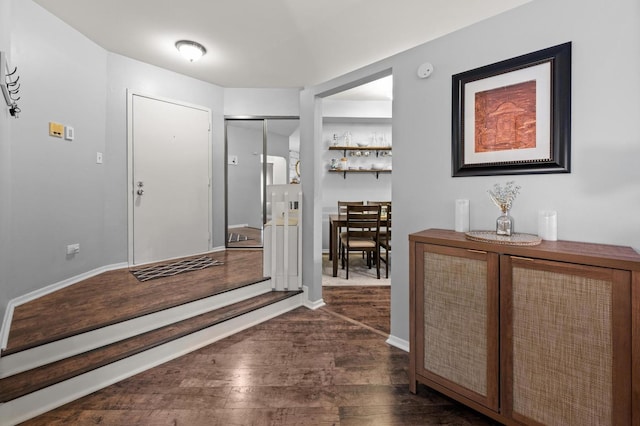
[
  {"x": 356, "y": 167},
  {"x": 260, "y": 151}
]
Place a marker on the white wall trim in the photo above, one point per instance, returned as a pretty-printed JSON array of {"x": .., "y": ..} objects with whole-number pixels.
[
  {"x": 6, "y": 324},
  {"x": 309, "y": 304},
  {"x": 398, "y": 343},
  {"x": 314, "y": 305},
  {"x": 238, "y": 225}
]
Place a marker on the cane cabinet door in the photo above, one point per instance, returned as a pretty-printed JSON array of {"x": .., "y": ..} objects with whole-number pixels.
[
  {"x": 565, "y": 349},
  {"x": 456, "y": 320}
]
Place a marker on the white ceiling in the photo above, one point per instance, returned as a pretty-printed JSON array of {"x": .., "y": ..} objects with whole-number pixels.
[{"x": 269, "y": 43}]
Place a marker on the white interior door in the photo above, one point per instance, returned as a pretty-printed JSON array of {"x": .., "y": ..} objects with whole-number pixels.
[{"x": 170, "y": 179}]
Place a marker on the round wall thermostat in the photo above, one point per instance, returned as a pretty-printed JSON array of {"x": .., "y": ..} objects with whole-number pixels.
[{"x": 425, "y": 70}]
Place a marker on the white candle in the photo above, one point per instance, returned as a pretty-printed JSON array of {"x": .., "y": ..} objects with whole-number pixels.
[
  {"x": 462, "y": 216},
  {"x": 548, "y": 225}
]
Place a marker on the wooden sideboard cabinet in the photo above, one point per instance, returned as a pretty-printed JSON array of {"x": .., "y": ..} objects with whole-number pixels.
[{"x": 536, "y": 335}]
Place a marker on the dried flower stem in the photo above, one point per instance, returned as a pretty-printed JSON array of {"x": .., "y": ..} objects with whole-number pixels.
[{"x": 503, "y": 196}]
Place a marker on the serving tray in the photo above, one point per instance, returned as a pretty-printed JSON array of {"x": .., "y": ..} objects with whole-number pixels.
[{"x": 516, "y": 239}]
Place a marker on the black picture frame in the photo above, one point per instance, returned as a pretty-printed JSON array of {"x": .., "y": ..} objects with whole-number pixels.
[{"x": 536, "y": 84}]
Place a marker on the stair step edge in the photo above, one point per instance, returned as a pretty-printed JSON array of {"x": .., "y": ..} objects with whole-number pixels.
[
  {"x": 10, "y": 387},
  {"x": 124, "y": 319}
]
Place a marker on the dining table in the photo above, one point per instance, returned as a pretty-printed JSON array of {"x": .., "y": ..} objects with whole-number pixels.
[{"x": 338, "y": 221}]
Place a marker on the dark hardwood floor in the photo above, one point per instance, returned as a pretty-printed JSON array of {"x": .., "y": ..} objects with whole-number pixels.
[
  {"x": 304, "y": 367},
  {"x": 117, "y": 295},
  {"x": 253, "y": 237},
  {"x": 325, "y": 367},
  {"x": 367, "y": 305}
]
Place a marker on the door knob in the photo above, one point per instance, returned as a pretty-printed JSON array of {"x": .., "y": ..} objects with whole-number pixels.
[{"x": 140, "y": 191}]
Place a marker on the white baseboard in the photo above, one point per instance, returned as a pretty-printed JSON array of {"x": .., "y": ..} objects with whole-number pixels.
[
  {"x": 65, "y": 283},
  {"x": 313, "y": 305},
  {"x": 238, "y": 225},
  {"x": 398, "y": 343},
  {"x": 6, "y": 323}
]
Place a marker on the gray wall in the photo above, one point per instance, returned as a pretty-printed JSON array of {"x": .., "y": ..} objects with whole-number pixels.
[
  {"x": 52, "y": 191},
  {"x": 599, "y": 201},
  {"x": 56, "y": 188},
  {"x": 245, "y": 141},
  {"x": 261, "y": 102},
  {"x": 125, "y": 73},
  {"x": 5, "y": 166}
]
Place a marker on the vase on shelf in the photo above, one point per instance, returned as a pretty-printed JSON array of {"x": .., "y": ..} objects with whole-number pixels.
[{"x": 504, "y": 224}]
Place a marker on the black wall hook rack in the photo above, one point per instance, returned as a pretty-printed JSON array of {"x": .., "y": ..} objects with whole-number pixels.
[{"x": 10, "y": 84}]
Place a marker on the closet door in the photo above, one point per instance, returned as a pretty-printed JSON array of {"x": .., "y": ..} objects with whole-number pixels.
[
  {"x": 566, "y": 337},
  {"x": 457, "y": 321}
]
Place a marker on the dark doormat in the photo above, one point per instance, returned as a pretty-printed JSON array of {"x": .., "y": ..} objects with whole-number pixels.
[{"x": 175, "y": 268}]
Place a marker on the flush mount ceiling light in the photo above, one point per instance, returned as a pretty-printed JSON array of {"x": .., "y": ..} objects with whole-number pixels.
[{"x": 190, "y": 49}]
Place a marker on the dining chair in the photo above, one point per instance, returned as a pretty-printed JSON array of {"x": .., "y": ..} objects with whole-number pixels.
[
  {"x": 362, "y": 234},
  {"x": 342, "y": 210},
  {"x": 386, "y": 206},
  {"x": 384, "y": 240}
]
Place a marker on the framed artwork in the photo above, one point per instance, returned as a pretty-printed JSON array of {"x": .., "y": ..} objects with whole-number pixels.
[{"x": 514, "y": 116}]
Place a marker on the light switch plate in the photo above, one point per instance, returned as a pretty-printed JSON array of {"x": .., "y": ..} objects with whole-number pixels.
[
  {"x": 98, "y": 158},
  {"x": 69, "y": 133}
]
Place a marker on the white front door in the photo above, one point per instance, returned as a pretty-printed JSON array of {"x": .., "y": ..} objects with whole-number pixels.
[{"x": 170, "y": 179}]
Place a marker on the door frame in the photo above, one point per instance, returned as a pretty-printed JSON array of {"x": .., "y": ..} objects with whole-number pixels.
[{"x": 130, "y": 182}]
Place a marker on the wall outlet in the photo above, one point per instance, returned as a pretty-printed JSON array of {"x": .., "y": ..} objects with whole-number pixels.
[{"x": 73, "y": 249}]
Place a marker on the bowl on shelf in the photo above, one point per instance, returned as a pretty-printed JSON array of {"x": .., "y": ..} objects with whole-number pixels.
[
  {"x": 362, "y": 144},
  {"x": 377, "y": 166}
]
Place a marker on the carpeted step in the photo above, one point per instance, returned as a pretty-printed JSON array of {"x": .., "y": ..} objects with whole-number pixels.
[{"x": 30, "y": 381}]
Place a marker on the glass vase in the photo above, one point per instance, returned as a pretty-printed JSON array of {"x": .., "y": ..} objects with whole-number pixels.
[{"x": 504, "y": 224}]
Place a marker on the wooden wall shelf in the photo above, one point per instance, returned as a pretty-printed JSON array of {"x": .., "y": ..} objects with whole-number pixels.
[
  {"x": 344, "y": 149},
  {"x": 344, "y": 172}
]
